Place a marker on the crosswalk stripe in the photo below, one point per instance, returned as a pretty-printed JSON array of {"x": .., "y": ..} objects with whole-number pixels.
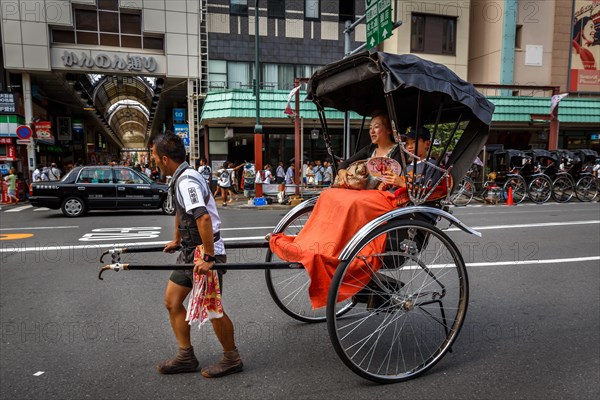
[{"x": 19, "y": 209}]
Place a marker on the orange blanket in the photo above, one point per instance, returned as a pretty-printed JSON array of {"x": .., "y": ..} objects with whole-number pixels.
[{"x": 337, "y": 216}]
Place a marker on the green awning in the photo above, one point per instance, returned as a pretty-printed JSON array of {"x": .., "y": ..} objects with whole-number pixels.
[
  {"x": 571, "y": 110},
  {"x": 238, "y": 103}
]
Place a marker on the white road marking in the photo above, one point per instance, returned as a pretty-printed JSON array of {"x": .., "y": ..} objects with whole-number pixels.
[
  {"x": 538, "y": 225},
  {"x": 38, "y": 227},
  {"x": 18, "y": 209},
  {"x": 38, "y": 373},
  {"x": 529, "y": 262},
  {"x": 41, "y": 209}
]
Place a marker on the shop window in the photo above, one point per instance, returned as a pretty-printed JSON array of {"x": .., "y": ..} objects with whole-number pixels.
[
  {"x": 433, "y": 34},
  {"x": 238, "y": 7},
  {"x": 276, "y": 8}
]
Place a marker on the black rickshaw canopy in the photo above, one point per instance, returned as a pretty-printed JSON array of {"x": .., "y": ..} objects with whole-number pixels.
[
  {"x": 358, "y": 83},
  {"x": 415, "y": 92}
]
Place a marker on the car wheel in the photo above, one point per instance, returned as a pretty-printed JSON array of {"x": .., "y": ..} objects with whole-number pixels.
[
  {"x": 73, "y": 207},
  {"x": 167, "y": 206}
]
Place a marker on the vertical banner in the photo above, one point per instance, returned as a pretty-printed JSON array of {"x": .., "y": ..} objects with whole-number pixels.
[
  {"x": 63, "y": 128},
  {"x": 584, "y": 75}
]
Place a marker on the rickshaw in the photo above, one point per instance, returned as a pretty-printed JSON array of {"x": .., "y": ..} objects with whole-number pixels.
[
  {"x": 407, "y": 315},
  {"x": 563, "y": 185},
  {"x": 536, "y": 171},
  {"x": 506, "y": 166},
  {"x": 586, "y": 188}
]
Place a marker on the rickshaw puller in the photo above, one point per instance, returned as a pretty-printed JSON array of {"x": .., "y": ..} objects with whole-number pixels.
[{"x": 197, "y": 223}]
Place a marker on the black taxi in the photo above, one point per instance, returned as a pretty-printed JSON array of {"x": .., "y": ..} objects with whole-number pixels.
[{"x": 101, "y": 188}]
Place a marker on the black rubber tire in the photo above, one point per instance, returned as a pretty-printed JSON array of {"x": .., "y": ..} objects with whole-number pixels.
[
  {"x": 563, "y": 188},
  {"x": 540, "y": 189},
  {"x": 73, "y": 207},
  {"x": 586, "y": 188},
  {"x": 410, "y": 313}
]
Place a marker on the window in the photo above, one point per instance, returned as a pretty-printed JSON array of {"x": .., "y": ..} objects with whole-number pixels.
[
  {"x": 95, "y": 175},
  {"x": 238, "y": 7},
  {"x": 276, "y": 8},
  {"x": 108, "y": 26},
  {"x": 312, "y": 9},
  {"x": 346, "y": 10},
  {"x": 239, "y": 75},
  {"x": 217, "y": 74},
  {"x": 434, "y": 34}
]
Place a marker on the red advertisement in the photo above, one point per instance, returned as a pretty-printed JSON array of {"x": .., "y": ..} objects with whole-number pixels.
[
  {"x": 43, "y": 130},
  {"x": 585, "y": 47},
  {"x": 11, "y": 153}
]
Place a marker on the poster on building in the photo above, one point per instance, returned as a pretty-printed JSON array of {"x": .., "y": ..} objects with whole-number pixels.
[
  {"x": 183, "y": 131},
  {"x": 43, "y": 131},
  {"x": 585, "y": 47}
]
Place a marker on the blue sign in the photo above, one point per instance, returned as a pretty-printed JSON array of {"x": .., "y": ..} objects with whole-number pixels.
[
  {"x": 179, "y": 115},
  {"x": 183, "y": 131},
  {"x": 595, "y": 136}
]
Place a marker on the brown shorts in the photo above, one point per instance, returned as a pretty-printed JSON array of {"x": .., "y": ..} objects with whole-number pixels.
[{"x": 185, "y": 277}]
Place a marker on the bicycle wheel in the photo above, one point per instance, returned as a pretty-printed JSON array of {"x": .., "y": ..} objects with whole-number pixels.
[
  {"x": 562, "y": 189},
  {"x": 586, "y": 188},
  {"x": 411, "y": 310},
  {"x": 540, "y": 189},
  {"x": 463, "y": 193},
  {"x": 289, "y": 288},
  {"x": 519, "y": 188}
]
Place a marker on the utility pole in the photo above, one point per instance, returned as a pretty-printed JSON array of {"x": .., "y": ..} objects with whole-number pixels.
[{"x": 258, "y": 130}]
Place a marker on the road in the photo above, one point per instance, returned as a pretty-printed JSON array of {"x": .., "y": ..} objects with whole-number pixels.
[{"x": 532, "y": 328}]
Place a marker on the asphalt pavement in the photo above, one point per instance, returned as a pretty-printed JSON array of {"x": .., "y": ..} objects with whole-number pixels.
[{"x": 532, "y": 328}]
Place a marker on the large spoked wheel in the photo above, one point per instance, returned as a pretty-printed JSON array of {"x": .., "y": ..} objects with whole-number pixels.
[
  {"x": 289, "y": 288},
  {"x": 540, "y": 189},
  {"x": 73, "y": 207},
  {"x": 563, "y": 189},
  {"x": 410, "y": 311},
  {"x": 464, "y": 193},
  {"x": 519, "y": 188},
  {"x": 586, "y": 188}
]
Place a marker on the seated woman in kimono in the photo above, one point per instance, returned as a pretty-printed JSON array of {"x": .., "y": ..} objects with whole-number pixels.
[{"x": 339, "y": 212}]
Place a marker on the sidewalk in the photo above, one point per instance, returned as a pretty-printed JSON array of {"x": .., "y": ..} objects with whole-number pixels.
[{"x": 242, "y": 203}]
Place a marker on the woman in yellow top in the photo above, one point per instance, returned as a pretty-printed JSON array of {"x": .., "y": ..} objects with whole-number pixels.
[{"x": 11, "y": 180}]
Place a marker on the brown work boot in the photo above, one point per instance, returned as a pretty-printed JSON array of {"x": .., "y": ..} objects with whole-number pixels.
[
  {"x": 185, "y": 361},
  {"x": 229, "y": 364}
]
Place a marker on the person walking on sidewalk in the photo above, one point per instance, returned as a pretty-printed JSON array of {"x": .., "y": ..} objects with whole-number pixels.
[
  {"x": 11, "y": 180},
  {"x": 280, "y": 173},
  {"x": 54, "y": 173},
  {"x": 198, "y": 223}
]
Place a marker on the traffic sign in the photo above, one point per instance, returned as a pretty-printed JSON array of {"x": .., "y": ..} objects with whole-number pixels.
[
  {"x": 379, "y": 21},
  {"x": 24, "y": 132}
]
